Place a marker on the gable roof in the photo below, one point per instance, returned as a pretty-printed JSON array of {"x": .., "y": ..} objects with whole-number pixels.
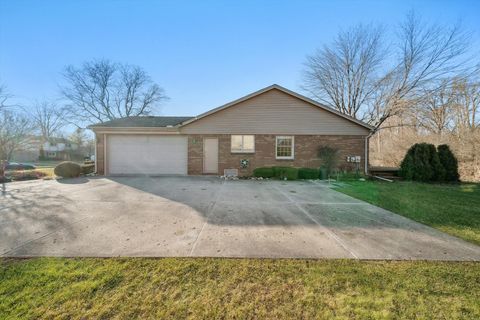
[
  {"x": 142, "y": 121},
  {"x": 284, "y": 90},
  {"x": 172, "y": 121}
]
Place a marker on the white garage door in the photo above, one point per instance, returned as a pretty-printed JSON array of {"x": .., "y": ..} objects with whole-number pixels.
[{"x": 146, "y": 154}]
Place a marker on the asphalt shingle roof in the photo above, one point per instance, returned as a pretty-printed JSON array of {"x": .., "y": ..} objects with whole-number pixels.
[{"x": 143, "y": 121}]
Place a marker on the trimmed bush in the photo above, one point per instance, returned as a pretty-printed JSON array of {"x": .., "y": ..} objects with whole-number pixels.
[
  {"x": 88, "y": 168},
  {"x": 290, "y": 173},
  {"x": 421, "y": 163},
  {"x": 407, "y": 166},
  {"x": 308, "y": 173},
  {"x": 437, "y": 168},
  {"x": 68, "y": 169},
  {"x": 449, "y": 163},
  {"x": 329, "y": 158},
  {"x": 264, "y": 172},
  {"x": 418, "y": 156}
]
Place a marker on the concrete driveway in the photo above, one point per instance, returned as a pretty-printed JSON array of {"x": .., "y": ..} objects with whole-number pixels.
[{"x": 205, "y": 216}]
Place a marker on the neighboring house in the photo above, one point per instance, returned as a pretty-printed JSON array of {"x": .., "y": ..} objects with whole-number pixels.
[
  {"x": 271, "y": 127},
  {"x": 59, "y": 149},
  {"x": 28, "y": 152},
  {"x": 33, "y": 147}
]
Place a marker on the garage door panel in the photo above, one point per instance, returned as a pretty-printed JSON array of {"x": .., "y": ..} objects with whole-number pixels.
[{"x": 146, "y": 154}]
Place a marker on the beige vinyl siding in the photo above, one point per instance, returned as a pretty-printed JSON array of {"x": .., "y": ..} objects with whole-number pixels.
[{"x": 274, "y": 112}]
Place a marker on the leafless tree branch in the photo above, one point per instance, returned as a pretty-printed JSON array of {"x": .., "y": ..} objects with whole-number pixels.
[
  {"x": 48, "y": 118},
  {"x": 14, "y": 130},
  {"x": 101, "y": 90}
]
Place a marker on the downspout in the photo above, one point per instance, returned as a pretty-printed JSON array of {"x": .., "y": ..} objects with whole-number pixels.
[
  {"x": 95, "y": 151},
  {"x": 366, "y": 150}
]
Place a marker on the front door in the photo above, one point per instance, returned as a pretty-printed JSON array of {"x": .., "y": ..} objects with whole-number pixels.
[{"x": 210, "y": 155}]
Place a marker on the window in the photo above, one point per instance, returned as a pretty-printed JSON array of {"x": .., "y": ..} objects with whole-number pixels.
[
  {"x": 243, "y": 143},
  {"x": 284, "y": 147}
]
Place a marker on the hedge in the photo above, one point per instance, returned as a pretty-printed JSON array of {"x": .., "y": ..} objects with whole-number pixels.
[
  {"x": 308, "y": 173},
  {"x": 290, "y": 173},
  {"x": 264, "y": 172}
]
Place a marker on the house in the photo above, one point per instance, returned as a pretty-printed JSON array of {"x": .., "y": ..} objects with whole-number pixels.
[
  {"x": 58, "y": 149},
  {"x": 35, "y": 148},
  {"x": 271, "y": 127},
  {"x": 28, "y": 150}
]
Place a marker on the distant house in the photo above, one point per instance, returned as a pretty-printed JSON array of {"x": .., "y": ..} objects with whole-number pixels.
[
  {"x": 58, "y": 149},
  {"x": 34, "y": 148},
  {"x": 271, "y": 127}
]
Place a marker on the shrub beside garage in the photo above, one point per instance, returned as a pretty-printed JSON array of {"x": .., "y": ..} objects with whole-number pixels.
[{"x": 68, "y": 169}]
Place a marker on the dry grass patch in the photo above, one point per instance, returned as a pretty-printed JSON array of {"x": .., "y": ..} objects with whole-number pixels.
[{"x": 236, "y": 288}]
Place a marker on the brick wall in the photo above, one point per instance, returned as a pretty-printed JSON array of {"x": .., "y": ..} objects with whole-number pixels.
[{"x": 306, "y": 149}]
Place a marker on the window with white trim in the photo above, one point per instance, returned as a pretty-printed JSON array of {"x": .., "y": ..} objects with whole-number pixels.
[
  {"x": 243, "y": 144},
  {"x": 284, "y": 147}
]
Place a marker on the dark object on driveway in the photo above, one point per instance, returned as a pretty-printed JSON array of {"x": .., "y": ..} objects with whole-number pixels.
[
  {"x": 19, "y": 166},
  {"x": 68, "y": 169}
]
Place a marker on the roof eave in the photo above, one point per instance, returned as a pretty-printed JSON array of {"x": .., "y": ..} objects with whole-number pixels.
[{"x": 114, "y": 129}]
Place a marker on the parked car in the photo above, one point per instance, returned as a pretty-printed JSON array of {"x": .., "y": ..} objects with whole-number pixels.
[{"x": 19, "y": 166}]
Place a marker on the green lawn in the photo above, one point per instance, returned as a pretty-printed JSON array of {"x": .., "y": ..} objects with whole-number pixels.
[
  {"x": 46, "y": 163},
  {"x": 454, "y": 209},
  {"x": 237, "y": 288}
]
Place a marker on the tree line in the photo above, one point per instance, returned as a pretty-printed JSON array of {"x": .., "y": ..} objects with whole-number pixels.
[
  {"x": 417, "y": 83},
  {"x": 96, "y": 91}
]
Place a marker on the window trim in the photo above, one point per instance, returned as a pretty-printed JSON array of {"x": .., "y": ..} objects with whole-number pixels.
[
  {"x": 276, "y": 148},
  {"x": 242, "y": 150}
]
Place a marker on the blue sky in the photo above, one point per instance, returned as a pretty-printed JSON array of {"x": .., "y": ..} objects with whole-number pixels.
[{"x": 203, "y": 53}]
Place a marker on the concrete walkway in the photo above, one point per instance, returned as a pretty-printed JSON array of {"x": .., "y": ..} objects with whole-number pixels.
[{"x": 205, "y": 216}]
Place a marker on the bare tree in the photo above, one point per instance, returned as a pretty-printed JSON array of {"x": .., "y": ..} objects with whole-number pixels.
[
  {"x": 435, "y": 111},
  {"x": 14, "y": 130},
  {"x": 79, "y": 137},
  {"x": 427, "y": 54},
  {"x": 467, "y": 105},
  {"x": 101, "y": 90},
  {"x": 49, "y": 118},
  {"x": 4, "y": 96},
  {"x": 343, "y": 75}
]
